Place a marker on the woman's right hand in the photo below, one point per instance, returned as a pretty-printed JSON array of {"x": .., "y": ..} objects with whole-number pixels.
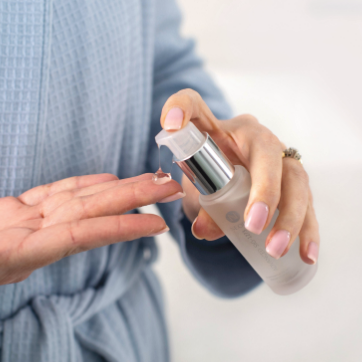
[{"x": 50, "y": 222}]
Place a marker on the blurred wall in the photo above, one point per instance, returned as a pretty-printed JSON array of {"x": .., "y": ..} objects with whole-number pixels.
[{"x": 320, "y": 36}]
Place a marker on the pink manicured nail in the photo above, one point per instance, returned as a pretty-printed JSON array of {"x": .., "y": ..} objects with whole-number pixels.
[
  {"x": 278, "y": 243},
  {"x": 174, "y": 197},
  {"x": 174, "y": 119},
  {"x": 313, "y": 250},
  {"x": 192, "y": 230},
  {"x": 161, "y": 232},
  {"x": 257, "y": 217}
]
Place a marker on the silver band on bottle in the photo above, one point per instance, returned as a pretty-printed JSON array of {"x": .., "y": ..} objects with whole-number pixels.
[{"x": 208, "y": 168}]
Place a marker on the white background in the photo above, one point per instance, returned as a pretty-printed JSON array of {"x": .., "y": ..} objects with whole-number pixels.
[{"x": 296, "y": 65}]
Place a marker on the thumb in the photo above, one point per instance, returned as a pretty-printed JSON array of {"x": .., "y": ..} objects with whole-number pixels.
[{"x": 185, "y": 106}]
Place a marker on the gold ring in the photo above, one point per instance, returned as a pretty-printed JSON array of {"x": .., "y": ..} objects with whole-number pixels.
[{"x": 293, "y": 153}]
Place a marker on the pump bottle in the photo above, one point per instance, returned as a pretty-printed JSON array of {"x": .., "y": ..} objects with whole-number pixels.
[{"x": 224, "y": 192}]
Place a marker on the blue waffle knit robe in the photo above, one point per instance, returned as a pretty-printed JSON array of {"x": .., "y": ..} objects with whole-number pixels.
[{"x": 82, "y": 84}]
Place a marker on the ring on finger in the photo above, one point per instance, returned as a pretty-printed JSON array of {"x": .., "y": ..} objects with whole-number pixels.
[{"x": 292, "y": 153}]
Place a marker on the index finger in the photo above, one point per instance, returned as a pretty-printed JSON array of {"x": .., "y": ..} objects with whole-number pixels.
[
  {"x": 113, "y": 201},
  {"x": 40, "y": 193},
  {"x": 37, "y": 194}
]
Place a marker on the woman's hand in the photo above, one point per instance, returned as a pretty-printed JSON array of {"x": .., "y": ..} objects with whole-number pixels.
[
  {"x": 276, "y": 181},
  {"x": 50, "y": 222}
]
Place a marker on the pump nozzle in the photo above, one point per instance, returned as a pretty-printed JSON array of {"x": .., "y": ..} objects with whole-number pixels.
[
  {"x": 199, "y": 158},
  {"x": 182, "y": 143}
]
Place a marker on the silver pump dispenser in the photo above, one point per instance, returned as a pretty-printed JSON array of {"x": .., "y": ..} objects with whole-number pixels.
[{"x": 198, "y": 156}]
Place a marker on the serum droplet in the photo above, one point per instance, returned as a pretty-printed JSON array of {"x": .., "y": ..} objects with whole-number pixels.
[{"x": 161, "y": 177}]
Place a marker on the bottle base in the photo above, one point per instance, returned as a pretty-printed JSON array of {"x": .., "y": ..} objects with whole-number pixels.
[{"x": 297, "y": 283}]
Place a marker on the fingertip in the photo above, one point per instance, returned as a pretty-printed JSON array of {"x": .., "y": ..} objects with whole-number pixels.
[
  {"x": 164, "y": 230},
  {"x": 174, "y": 119},
  {"x": 277, "y": 245},
  {"x": 159, "y": 225},
  {"x": 193, "y": 231},
  {"x": 204, "y": 227},
  {"x": 312, "y": 252},
  {"x": 171, "y": 185},
  {"x": 174, "y": 197}
]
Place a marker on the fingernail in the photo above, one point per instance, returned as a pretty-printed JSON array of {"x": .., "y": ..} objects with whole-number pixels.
[
  {"x": 278, "y": 243},
  {"x": 313, "y": 250},
  {"x": 257, "y": 217},
  {"x": 174, "y": 119},
  {"x": 174, "y": 197},
  {"x": 161, "y": 232},
  {"x": 192, "y": 230}
]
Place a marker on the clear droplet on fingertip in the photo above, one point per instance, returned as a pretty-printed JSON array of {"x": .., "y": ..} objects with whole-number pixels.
[{"x": 161, "y": 177}]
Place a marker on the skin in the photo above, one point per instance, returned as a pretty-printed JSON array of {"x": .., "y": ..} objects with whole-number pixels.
[
  {"x": 53, "y": 221},
  {"x": 278, "y": 182},
  {"x": 50, "y": 222}
]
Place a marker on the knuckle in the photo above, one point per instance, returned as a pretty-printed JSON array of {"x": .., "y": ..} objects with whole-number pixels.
[
  {"x": 273, "y": 194},
  {"x": 135, "y": 194},
  {"x": 187, "y": 97},
  {"x": 250, "y": 119},
  {"x": 269, "y": 139},
  {"x": 189, "y": 93},
  {"x": 284, "y": 146},
  {"x": 299, "y": 215},
  {"x": 270, "y": 189},
  {"x": 141, "y": 194},
  {"x": 268, "y": 183},
  {"x": 293, "y": 221},
  {"x": 135, "y": 197}
]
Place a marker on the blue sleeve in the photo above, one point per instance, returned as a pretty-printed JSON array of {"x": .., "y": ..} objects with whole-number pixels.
[{"x": 217, "y": 265}]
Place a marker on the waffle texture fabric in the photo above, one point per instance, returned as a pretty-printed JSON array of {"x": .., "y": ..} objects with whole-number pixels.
[{"x": 82, "y": 84}]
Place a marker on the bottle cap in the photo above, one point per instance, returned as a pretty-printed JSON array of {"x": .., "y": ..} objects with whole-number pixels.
[{"x": 199, "y": 158}]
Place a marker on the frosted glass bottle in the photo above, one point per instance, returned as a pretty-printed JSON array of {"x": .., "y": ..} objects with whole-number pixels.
[
  {"x": 226, "y": 207},
  {"x": 224, "y": 193}
]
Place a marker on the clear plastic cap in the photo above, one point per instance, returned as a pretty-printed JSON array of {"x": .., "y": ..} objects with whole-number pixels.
[{"x": 183, "y": 143}]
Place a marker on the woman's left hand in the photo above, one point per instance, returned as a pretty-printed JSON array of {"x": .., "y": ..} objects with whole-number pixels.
[{"x": 276, "y": 181}]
